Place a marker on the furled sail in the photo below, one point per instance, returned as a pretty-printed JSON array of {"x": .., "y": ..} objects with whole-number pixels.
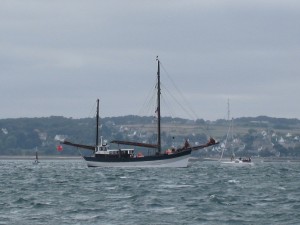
[
  {"x": 134, "y": 144},
  {"x": 79, "y": 145}
]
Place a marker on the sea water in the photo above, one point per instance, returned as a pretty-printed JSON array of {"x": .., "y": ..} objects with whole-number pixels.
[{"x": 67, "y": 192}]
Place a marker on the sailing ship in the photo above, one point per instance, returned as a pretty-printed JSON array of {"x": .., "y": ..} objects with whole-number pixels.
[
  {"x": 225, "y": 146},
  {"x": 103, "y": 156}
]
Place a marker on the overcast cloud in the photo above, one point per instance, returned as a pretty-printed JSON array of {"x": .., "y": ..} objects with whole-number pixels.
[{"x": 58, "y": 57}]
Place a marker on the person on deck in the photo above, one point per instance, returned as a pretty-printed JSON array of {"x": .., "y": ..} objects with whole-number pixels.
[
  {"x": 186, "y": 144},
  {"x": 212, "y": 141}
]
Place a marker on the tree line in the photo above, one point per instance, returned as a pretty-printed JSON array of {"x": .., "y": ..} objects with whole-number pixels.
[{"x": 21, "y": 136}]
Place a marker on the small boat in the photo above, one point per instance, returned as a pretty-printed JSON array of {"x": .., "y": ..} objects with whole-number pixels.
[
  {"x": 103, "y": 156},
  {"x": 239, "y": 161},
  {"x": 225, "y": 146}
]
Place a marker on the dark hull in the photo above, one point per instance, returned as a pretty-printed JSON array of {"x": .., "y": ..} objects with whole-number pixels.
[{"x": 179, "y": 159}]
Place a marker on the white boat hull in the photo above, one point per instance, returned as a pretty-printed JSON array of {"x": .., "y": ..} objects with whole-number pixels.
[
  {"x": 238, "y": 162},
  {"x": 172, "y": 162}
]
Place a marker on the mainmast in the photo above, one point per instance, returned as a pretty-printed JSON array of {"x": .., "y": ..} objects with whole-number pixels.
[
  {"x": 97, "y": 124},
  {"x": 158, "y": 107}
]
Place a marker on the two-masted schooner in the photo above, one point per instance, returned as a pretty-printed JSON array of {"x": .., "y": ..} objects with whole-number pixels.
[{"x": 103, "y": 156}]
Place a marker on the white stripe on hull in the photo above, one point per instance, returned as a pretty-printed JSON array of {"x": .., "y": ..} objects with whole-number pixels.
[
  {"x": 174, "y": 162},
  {"x": 238, "y": 163}
]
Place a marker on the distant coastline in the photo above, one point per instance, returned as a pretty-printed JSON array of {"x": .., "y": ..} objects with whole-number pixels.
[
  {"x": 255, "y": 159},
  {"x": 40, "y": 157},
  {"x": 253, "y": 136}
]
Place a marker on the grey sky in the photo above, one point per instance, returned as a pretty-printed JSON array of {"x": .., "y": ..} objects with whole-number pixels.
[{"x": 57, "y": 57}]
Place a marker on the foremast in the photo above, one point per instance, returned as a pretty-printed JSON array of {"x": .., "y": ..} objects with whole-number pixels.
[
  {"x": 158, "y": 107},
  {"x": 97, "y": 125},
  {"x": 89, "y": 147}
]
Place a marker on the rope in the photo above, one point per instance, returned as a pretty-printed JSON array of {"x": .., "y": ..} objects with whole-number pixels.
[
  {"x": 149, "y": 104},
  {"x": 229, "y": 128},
  {"x": 188, "y": 110}
]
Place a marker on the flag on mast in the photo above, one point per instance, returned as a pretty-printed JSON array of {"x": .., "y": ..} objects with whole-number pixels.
[{"x": 59, "y": 148}]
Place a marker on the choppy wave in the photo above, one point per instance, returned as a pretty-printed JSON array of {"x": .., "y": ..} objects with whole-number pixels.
[{"x": 67, "y": 192}]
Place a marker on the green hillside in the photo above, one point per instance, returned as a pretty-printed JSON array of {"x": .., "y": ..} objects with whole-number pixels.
[{"x": 259, "y": 136}]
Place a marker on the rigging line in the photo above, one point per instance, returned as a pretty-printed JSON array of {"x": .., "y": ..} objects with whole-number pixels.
[
  {"x": 206, "y": 130},
  {"x": 167, "y": 107},
  {"x": 149, "y": 106},
  {"x": 225, "y": 144},
  {"x": 92, "y": 112},
  {"x": 175, "y": 100},
  {"x": 79, "y": 152},
  {"x": 180, "y": 93},
  {"x": 148, "y": 101},
  {"x": 184, "y": 109},
  {"x": 232, "y": 128}
]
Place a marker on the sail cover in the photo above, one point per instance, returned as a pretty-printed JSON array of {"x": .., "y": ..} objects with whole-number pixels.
[
  {"x": 79, "y": 145},
  {"x": 134, "y": 144}
]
